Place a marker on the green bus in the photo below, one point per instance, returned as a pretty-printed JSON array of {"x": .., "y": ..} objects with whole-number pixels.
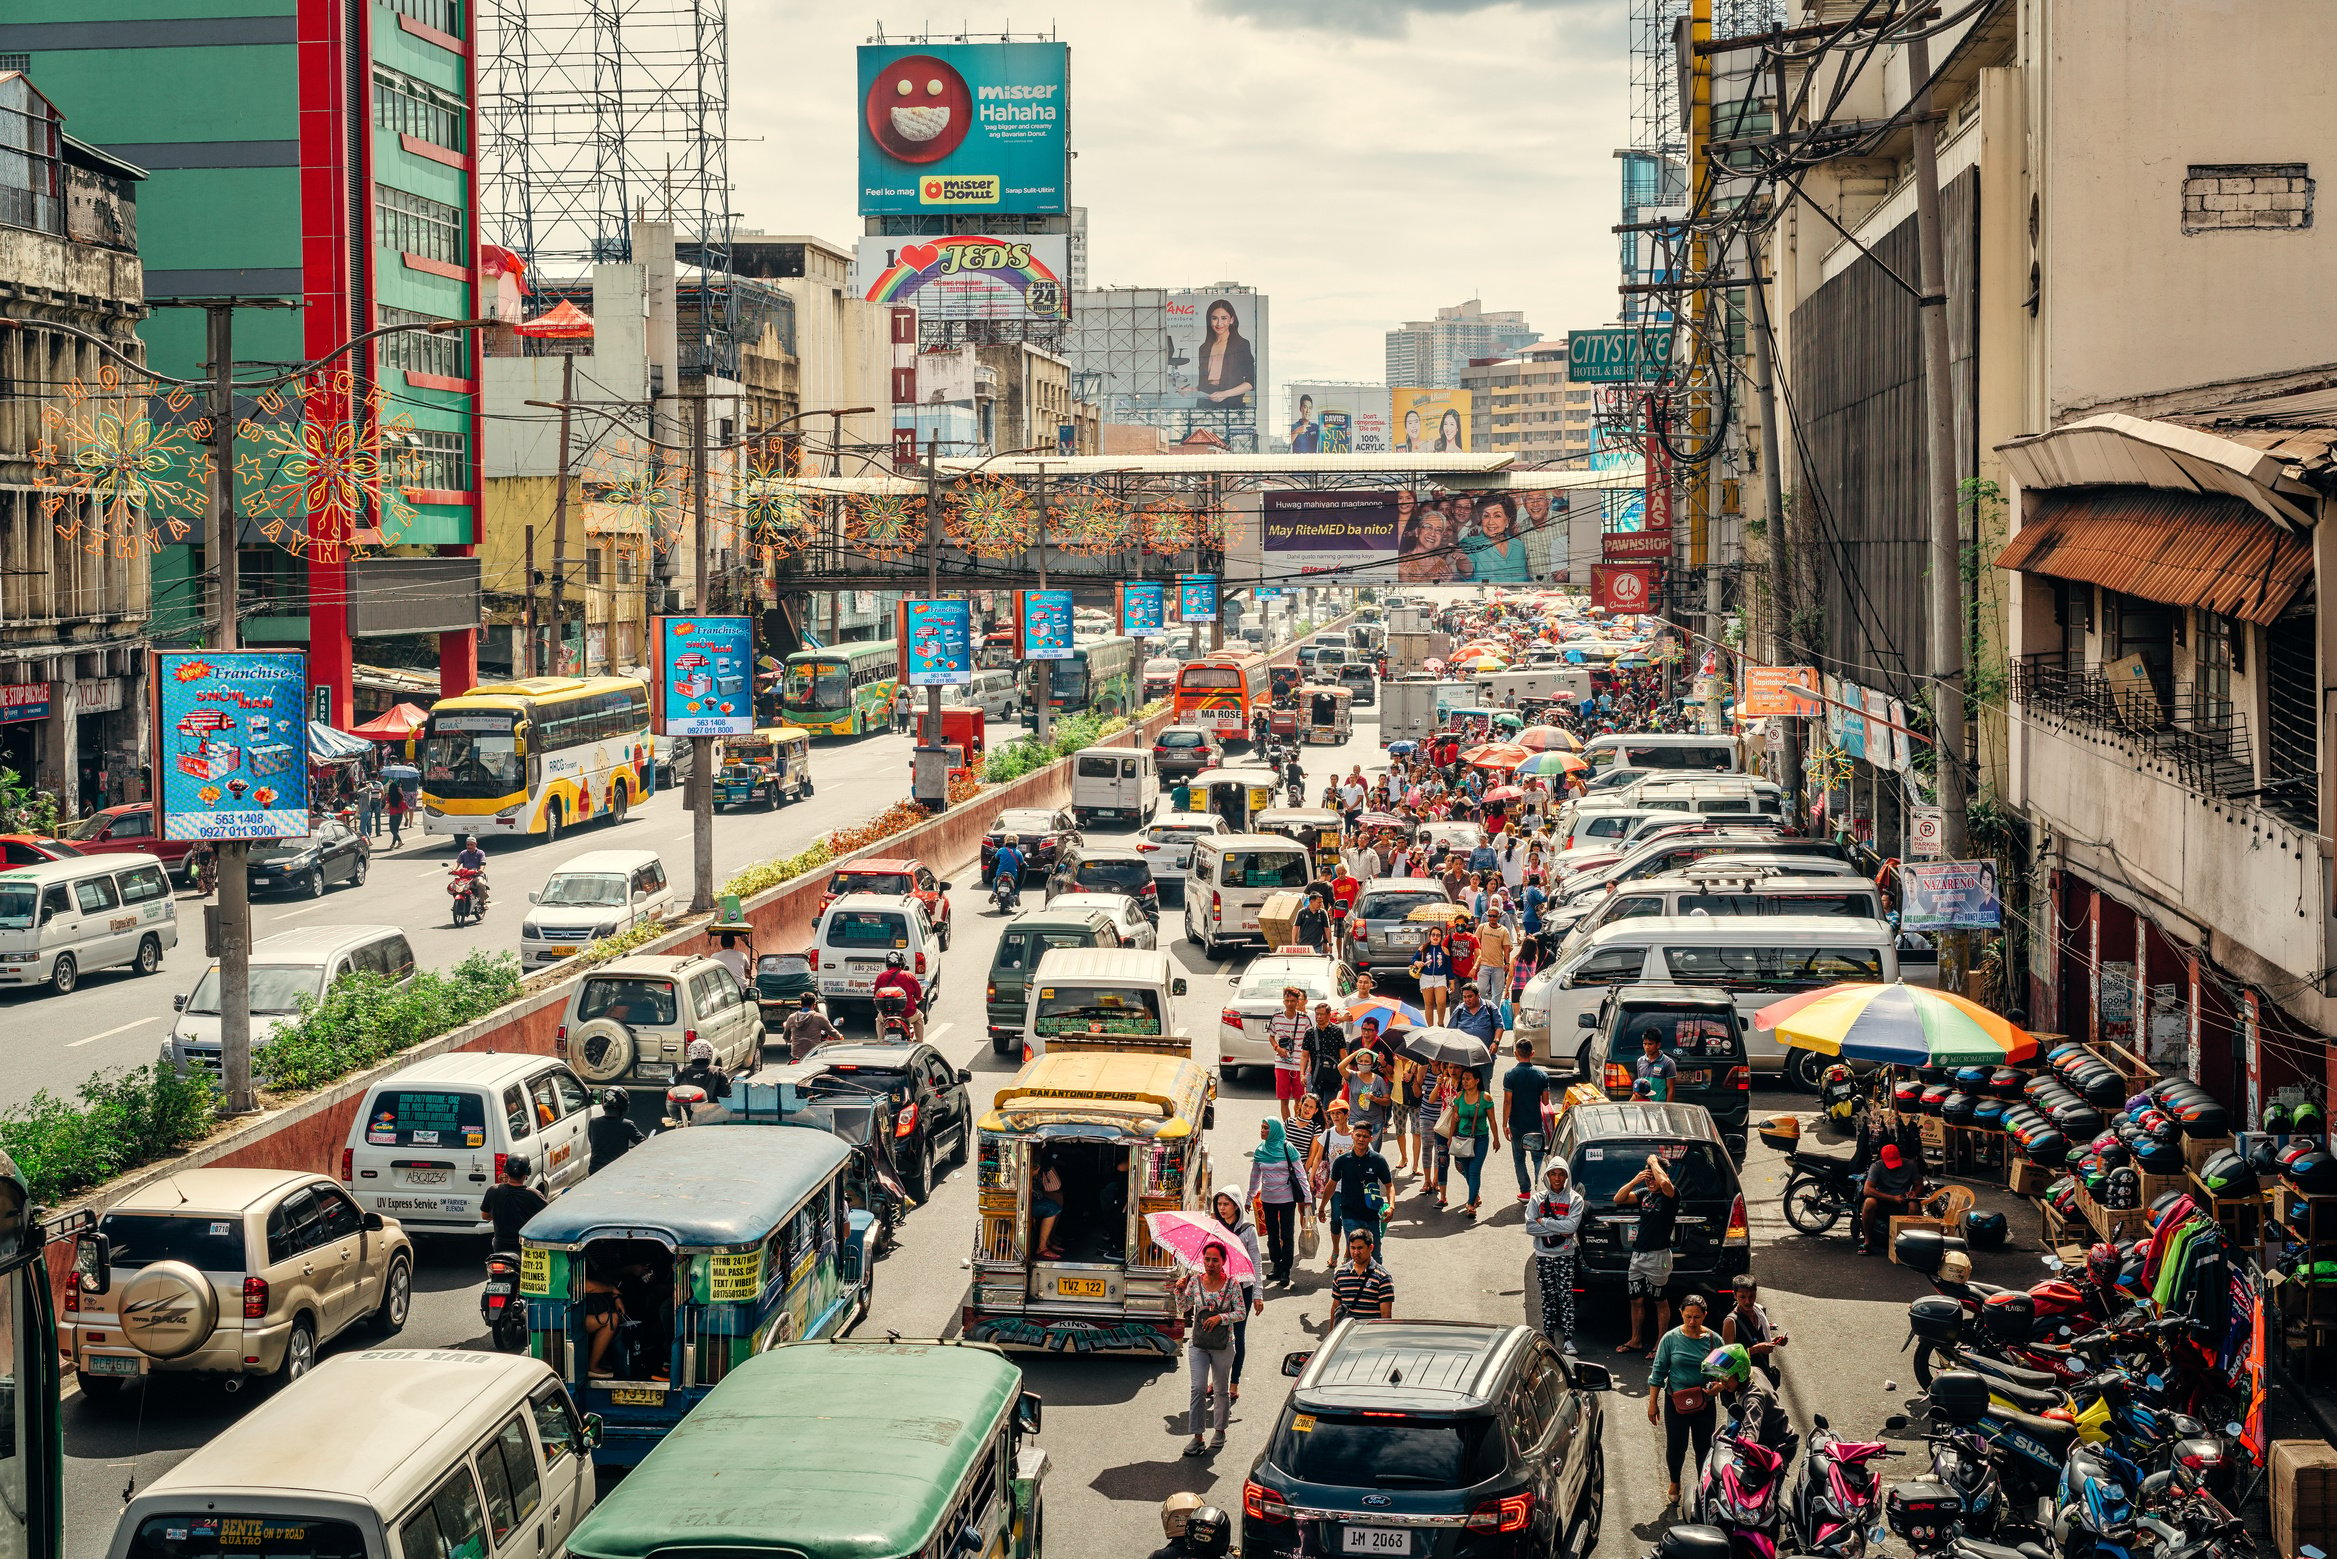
[
  {"x": 1101, "y": 675},
  {"x": 844, "y": 691},
  {"x": 840, "y": 1450}
]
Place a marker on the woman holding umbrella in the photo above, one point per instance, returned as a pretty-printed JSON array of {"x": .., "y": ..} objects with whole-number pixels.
[{"x": 1211, "y": 1303}]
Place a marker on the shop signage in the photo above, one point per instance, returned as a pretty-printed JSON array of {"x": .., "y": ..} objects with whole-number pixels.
[
  {"x": 1623, "y": 587},
  {"x": 1629, "y": 354},
  {"x": 24, "y": 701},
  {"x": 1633, "y": 545},
  {"x": 97, "y": 695}
]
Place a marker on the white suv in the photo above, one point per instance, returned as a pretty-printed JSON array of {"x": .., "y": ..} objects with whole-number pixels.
[
  {"x": 629, "y": 1021},
  {"x": 858, "y": 931},
  {"x": 1168, "y": 844}
]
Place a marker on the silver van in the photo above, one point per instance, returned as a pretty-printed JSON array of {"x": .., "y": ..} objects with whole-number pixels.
[
  {"x": 61, "y": 919},
  {"x": 428, "y": 1139},
  {"x": 598, "y": 894},
  {"x": 1724, "y": 886},
  {"x": 419, "y": 1452},
  {"x": 1757, "y": 959},
  {"x": 1231, "y": 878},
  {"x": 285, "y": 968},
  {"x": 994, "y": 692}
]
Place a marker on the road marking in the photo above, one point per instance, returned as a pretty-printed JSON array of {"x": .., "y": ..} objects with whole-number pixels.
[
  {"x": 692, "y": 834},
  {"x": 933, "y": 1032},
  {"x": 306, "y": 910},
  {"x": 76, "y": 1044}
]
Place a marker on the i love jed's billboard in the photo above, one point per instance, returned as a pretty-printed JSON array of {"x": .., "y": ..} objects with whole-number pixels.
[{"x": 964, "y": 126}]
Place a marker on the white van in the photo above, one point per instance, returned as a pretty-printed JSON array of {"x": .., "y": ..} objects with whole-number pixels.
[
  {"x": 856, "y": 932},
  {"x": 1106, "y": 998},
  {"x": 1722, "y": 886},
  {"x": 61, "y": 919},
  {"x": 1617, "y": 754},
  {"x": 432, "y": 1137},
  {"x": 1757, "y": 958},
  {"x": 1119, "y": 783},
  {"x": 1511, "y": 688},
  {"x": 1231, "y": 878},
  {"x": 599, "y": 893},
  {"x": 285, "y": 967},
  {"x": 992, "y": 691},
  {"x": 374, "y": 1454}
]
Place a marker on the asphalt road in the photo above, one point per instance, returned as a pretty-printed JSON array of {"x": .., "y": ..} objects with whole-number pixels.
[
  {"x": 116, "y": 1019},
  {"x": 1114, "y": 1428}
]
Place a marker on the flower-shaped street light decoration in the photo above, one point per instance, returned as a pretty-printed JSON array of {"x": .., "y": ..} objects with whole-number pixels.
[
  {"x": 632, "y": 487},
  {"x": 991, "y": 517},
  {"x": 324, "y": 471},
  {"x": 1091, "y": 521},
  {"x": 113, "y": 477},
  {"x": 890, "y": 526}
]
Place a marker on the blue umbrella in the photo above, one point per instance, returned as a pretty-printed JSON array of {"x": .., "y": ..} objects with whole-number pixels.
[{"x": 1401, "y": 748}]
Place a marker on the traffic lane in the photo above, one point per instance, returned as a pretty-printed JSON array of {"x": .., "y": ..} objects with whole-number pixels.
[{"x": 118, "y": 1019}]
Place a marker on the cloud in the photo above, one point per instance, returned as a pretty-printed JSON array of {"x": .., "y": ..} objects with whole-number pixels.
[{"x": 1372, "y": 18}]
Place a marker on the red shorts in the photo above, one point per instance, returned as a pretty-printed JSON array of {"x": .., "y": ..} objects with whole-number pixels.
[{"x": 1289, "y": 1082}]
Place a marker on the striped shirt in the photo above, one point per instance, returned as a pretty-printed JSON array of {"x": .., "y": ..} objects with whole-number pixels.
[
  {"x": 1361, "y": 1293},
  {"x": 1288, "y": 1034}
]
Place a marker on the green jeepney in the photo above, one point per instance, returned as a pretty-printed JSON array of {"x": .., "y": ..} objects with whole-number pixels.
[{"x": 840, "y": 1450}]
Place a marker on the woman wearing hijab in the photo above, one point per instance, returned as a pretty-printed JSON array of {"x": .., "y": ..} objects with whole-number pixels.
[
  {"x": 1226, "y": 1208},
  {"x": 1278, "y": 1192}
]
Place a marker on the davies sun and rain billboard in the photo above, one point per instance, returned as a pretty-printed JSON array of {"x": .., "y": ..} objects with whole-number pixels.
[
  {"x": 964, "y": 127},
  {"x": 1400, "y": 537}
]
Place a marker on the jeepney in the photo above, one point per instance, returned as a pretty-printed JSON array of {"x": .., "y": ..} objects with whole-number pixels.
[
  {"x": 1325, "y": 714},
  {"x": 1317, "y": 828},
  {"x": 1235, "y": 794},
  {"x": 771, "y": 764},
  {"x": 1122, "y": 1130}
]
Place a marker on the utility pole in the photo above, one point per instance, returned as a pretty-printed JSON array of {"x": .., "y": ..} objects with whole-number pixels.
[
  {"x": 1947, "y": 552},
  {"x": 234, "y": 915},
  {"x": 1042, "y": 672},
  {"x": 560, "y": 520},
  {"x": 701, "y": 747},
  {"x": 932, "y": 716},
  {"x": 527, "y": 608},
  {"x": 1782, "y": 650},
  {"x": 1700, "y": 303}
]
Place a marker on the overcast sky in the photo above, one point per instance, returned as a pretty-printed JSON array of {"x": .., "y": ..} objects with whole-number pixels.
[{"x": 1361, "y": 162}]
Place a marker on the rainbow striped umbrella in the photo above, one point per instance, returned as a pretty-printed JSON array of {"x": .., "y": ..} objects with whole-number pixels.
[
  {"x": 1554, "y": 762},
  {"x": 1898, "y": 1025}
]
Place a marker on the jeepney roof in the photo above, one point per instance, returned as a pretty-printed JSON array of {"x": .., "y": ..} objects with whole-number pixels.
[
  {"x": 827, "y": 1450},
  {"x": 708, "y": 1186},
  {"x": 1143, "y": 1085}
]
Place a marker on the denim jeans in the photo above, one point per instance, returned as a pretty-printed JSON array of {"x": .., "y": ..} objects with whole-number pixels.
[
  {"x": 1473, "y": 1166},
  {"x": 1522, "y": 1159}
]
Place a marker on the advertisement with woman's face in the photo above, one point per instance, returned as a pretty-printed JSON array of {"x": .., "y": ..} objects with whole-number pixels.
[
  {"x": 1214, "y": 348},
  {"x": 1434, "y": 421}
]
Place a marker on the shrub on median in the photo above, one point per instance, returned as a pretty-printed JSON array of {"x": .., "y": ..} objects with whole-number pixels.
[
  {"x": 124, "y": 1120},
  {"x": 365, "y": 1019}
]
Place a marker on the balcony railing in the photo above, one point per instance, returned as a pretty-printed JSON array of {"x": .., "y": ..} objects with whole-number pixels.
[{"x": 2197, "y": 735}]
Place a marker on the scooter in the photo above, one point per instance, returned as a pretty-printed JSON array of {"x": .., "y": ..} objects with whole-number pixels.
[
  {"x": 1742, "y": 1493},
  {"x": 500, "y": 1306},
  {"x": 467, "y": 885},
  {"x": 892, "y": 1018},
  {"x": 1819, "y": 1191},
  {"x": 1837, "y": 1497},
  {"x": 1006, "y": 892}
]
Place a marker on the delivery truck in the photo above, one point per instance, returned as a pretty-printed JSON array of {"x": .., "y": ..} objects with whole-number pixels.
[
  {"x": 1410, "y": 711},
  {"x": 1410, "y": 653}
]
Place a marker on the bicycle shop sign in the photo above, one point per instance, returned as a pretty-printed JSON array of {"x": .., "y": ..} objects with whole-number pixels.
[{"x": 24, "y": 701}]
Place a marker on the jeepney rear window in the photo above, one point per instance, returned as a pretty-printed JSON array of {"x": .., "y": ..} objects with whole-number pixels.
[
  {"x": 1124, "y": 1011},
  {"x": 1023, "y": 949}
]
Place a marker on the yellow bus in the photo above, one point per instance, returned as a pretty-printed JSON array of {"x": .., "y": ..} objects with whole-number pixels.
[{"x": 534, "y": 756}]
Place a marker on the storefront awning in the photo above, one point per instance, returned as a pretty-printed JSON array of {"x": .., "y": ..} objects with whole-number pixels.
[{"x": 2206, "y": 550}]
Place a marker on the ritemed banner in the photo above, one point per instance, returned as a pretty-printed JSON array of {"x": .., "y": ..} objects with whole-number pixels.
[
  {"x": 937, "y": 643},
  {"x": 1042, "y": 624},
  {"x": 231, "y": 743},
  {"x": 705, "y": 667},
  {"x": 1143, "y": 611},
  {"x": 1352, "y": 533},
  {"x": 1395, "y": 537},
  {"x": 964, "y": 126}
]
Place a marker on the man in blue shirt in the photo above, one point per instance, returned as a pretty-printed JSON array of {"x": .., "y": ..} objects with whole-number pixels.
[
  {"x": 1523, "y": 1087},
  {"x": 1484, "y": 858},
  {"x": 1480, "y": 1022}
]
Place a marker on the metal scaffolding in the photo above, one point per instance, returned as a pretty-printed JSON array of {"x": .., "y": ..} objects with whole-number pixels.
[
  {"x": 595, "y": 113},
  {"x": 1656, "y": 125}
]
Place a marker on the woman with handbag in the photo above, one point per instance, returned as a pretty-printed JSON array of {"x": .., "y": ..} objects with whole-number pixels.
[
  {"x": 1675, "y": 1381},
  {"x": 1278, "y": 1193},
  {"x": 1226, "y": 1207},
  {"x": 1475, "y": 1133},
  {"x": 1210, "y": 1303}
]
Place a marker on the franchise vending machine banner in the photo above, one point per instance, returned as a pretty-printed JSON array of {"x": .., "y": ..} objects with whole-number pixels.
[
  {"x": 1197, "y": 598},
  {"x": 1042, "y": 624},
  {"x": 1143, "y": 611},
  {"x": 937, "y": 643},
  {"x": 705, "y": 675},
  {"x": 231, "y": 743}
]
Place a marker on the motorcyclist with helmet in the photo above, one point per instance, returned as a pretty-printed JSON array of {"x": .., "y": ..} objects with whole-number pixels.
[
  {"x": 1195, "y": 1530},
  {"x": 1006, "y": 869},
  {"x": 699, "y": 1071},
  {"x": 1748, "y": 1400},
  {"x": 609, "y": 1136},
  {"x": 896, "y": 977},
  {"x": 1175, "y": 1512}
]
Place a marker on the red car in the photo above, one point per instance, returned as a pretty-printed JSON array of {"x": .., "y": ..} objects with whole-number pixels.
[
  {"x": 130, "y": 827},
  {"x": 901, "y": 877},
  {"x": 32, "y": 849}
]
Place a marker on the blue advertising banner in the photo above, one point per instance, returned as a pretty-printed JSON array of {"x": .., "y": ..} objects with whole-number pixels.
[
  {"x": 705, "y": 672},
  {"x": 231, "y": 743},
  {"x": 1143, "y": 611},
  {"x": 1043, "y": 624},
  {"x": 937, "y": 642},
  {"x": 964, "y": 126},
  {"x": 1949, "y": 896},
  {"x": 1197, "y": 598}
]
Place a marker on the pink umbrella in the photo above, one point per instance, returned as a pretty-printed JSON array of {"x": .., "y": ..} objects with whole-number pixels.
[{"x": 1184, "y": 1235}]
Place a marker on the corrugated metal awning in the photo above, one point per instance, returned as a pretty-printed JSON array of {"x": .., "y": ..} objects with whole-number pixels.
[{"x": 2182, "y": 549}]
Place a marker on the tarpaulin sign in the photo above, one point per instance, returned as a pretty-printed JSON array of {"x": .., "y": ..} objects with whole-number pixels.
[
  {"x": 1623, "y": 587},
  {"x": 1143, "y": 610},
  {"x": 1950, "y": 896},
  {"x": 1042, "y": 624},
  {"x": 1780, "y": 690}
]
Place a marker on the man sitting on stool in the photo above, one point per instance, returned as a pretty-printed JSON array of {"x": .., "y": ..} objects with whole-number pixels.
[{"x": 1890, "y": 1186}]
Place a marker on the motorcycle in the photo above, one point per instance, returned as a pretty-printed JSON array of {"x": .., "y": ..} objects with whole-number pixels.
[
  {"x": 500, "y": 1306},
  {"x": 1820, "y": 1191},
  {"x": 1837, "y": 1496},
  {"x": 1742, "y": 1493},
  {"x": 467, "y": 885},
  {"x": 1006, "y": 892},
  {"x": 892, "y": 1018},
  {"x": 1294, "y": 789}
]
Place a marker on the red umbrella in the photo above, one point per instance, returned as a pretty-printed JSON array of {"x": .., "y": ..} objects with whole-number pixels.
[
  {"x": 1496, "y": 755},
  {"x": 1505, "y": 793}
]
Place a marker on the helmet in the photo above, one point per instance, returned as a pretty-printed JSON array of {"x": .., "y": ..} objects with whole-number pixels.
[
  {"x": 1730, "y": 1365},
  {"x": 896, "y": 959},
  {"x": 613, "y": 1101},
  {"x": 1955, "y": 1267},
  {"x": 1208, "y": 1532},
  {"x": 2102, "y": 1262},
  {"x": 1175, "y": 1510},
  {"x": 700, "y": 1050},
  {"x": 1010, "y": 842},
  {"x": 519, "y": 1166}
]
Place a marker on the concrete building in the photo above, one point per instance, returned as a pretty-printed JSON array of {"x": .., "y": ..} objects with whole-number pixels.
[
  {"x": 1432, "y": 352},
  {"x": 324, "y": 160},
  {"x": 1526, "y": 406},
  {"x": 2152, "y": 768},
  {"x": 74, "y": 598}
]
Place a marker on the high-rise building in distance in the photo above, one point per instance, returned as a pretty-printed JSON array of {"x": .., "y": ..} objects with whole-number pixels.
[{"x": 1434, "y": 351}]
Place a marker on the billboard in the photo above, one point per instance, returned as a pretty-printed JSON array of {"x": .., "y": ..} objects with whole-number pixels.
[
  {"x": 968, "y": 275},
  {"x": 964, "y": 126},
  {"x": 937, "y": 643},
  {"x": 1950, "y": 896},
  {"x": 1143, "y": 610},
  {"x": 1430, "y": 421},
  {"x": 231, "y": 743},
  {"x": 1213, "y": 349},
  {"x": 1336, "y": 419},
  {"x": 1621, "y": 354},
  {"x": 1042, "y": 624},
  {"x": 705, "y": 670},
  {"x": 1623, "y": 587},
  {"x": 1197, "y": 598},
  {"x": 1401, "y": 537}
]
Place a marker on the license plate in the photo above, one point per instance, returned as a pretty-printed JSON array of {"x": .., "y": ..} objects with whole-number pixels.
[
  {"x": 1404, "y": 938},
  {"x": 636, "y": 1396},
  {"x": 427, "y": 1176},
  {"x": 108, "y": 1364},
  {"x": 260, "y": 879},
  {"x": 562, "y": 952},
  {"x": 1375, "y": 1540},
  {"x": 1696, "y": 1079},
  {"x": 1083, "y": 1288},
  {"x": 498, "y": 1288}
]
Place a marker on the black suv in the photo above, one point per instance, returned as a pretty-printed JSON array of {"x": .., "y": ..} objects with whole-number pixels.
[
  {"x": 931, "y": 1106},
  {"x": 1039, "y": 832},
  {"x": 1698, "y": 1026},
  {"x": 1605, "y": 1145},
  {"x": 1433, "y": 1440},
  {"x": 1106, "y": 868}
]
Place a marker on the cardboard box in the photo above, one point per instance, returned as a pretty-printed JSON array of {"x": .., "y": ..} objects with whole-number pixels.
[
  {"x": 2303, "y": 1487},
  {"x": 2198, "y": 1150},
  {"x": 1278, "y": 918},
  {"x": 2027, "y": 1179}
]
